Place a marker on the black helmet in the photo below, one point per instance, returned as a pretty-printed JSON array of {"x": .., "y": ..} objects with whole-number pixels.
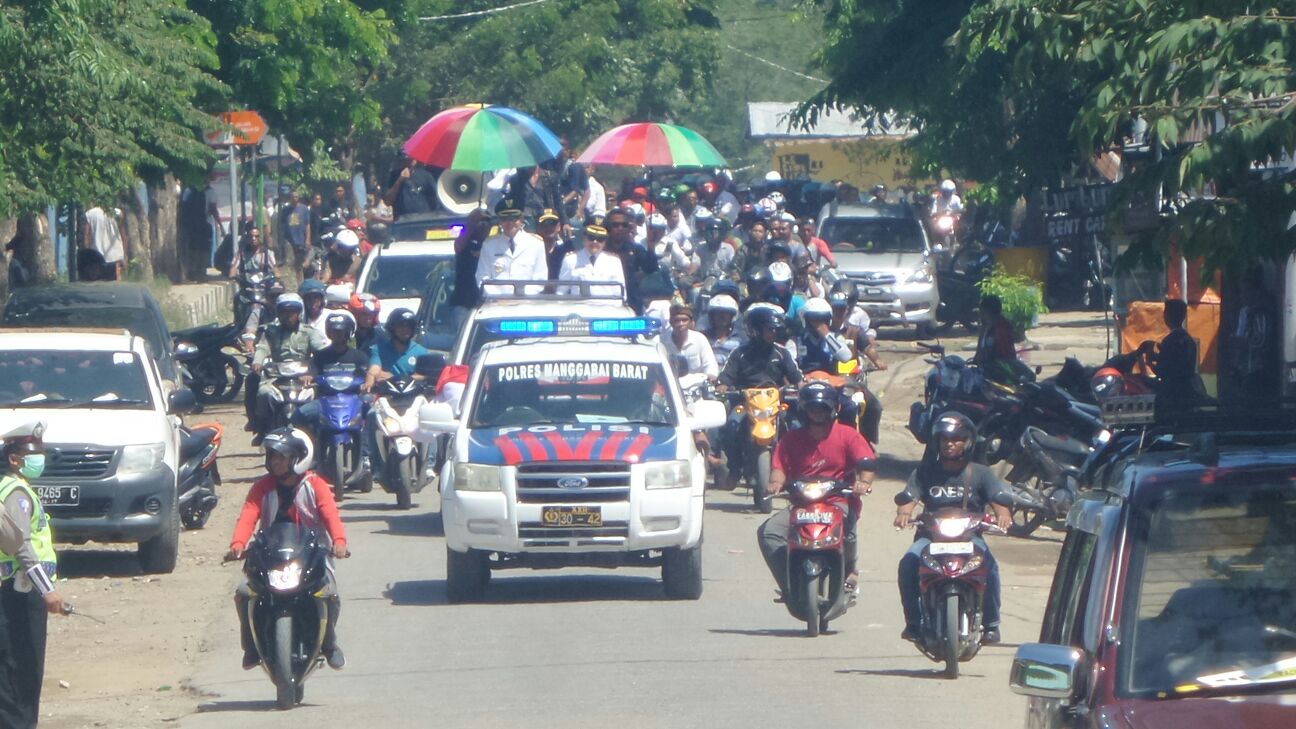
[
  {"x": 777, "y": 248},
  {"x": 401, "y": 316},
  {"x": 726, "y": 287},
  {"x": 292, "y": 443},
  {"x": 956, "y": 424},
  {"x": 847, "y": 287},
  {"x": 339, "y": 322},
  {"x": 818, "y": 392},
  {"x": 838, "y": 300},
  {"x": 759, "y": 318},
  {"x": 276, "y": 288},
  {"x": 757, "y": 279}
]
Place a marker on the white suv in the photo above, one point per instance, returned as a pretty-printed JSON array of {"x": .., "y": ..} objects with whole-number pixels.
[
  {"x": 111, "y": 439},
  {"x": 572, "y": 451}
]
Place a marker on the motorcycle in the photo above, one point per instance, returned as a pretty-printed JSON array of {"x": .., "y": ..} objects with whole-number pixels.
[
  {"x": 816, "y": 558},
  {"x": 960, "y": 297},
  {"x": 1045, "y": 477},
  {"x": 340, "y": 429},
  {"x": 405, "y": 461},
  {"x": 952, "y": 580},
  {"x": 290, "y": 390},
  {"x": 287, "y": 570},
  {"x": 214, "y": 368},
  {"x": 764, "y": 408},
  {"x": 252, "y": 285},
  {"x": 1077, "y": 276},
  {"x": 199, "y": 476}
]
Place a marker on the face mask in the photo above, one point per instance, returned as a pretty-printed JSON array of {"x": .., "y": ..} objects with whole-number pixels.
[{"x": 33, "y": 465}]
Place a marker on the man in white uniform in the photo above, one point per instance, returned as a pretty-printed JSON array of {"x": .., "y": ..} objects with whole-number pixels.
[
  {"x": 512, "y": 255},
  {"x": 592, "y": 263}
]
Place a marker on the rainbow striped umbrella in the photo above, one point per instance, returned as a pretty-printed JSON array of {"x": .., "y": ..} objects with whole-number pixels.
[
  {"x": 650, "y": 144},
  {"x": 482, "y": 139}
]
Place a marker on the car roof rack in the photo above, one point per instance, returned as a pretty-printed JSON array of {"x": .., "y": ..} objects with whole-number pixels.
[
  {"x": 1202, "y": 429},
  {"x": 517, "y": 289}
]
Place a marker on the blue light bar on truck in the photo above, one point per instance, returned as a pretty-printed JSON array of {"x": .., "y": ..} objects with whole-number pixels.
[{"x": 574, "y": 327}]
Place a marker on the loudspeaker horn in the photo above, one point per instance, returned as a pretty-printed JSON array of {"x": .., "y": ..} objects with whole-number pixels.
[{"x": 459, "y": 191}]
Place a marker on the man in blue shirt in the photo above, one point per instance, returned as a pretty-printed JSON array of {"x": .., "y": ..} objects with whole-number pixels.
[{"x": 392, "y": 358}]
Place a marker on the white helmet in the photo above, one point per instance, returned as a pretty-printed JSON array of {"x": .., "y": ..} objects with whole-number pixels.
[
  {"x": 947, "y": 186},
  {"x": 766, "y": 207},
  {"x": 723, "y": 302},
  {"x": 701, "y": 215},
  {"x": 657, "y": 221},
  {"x": 778, "y": 199},
  {"x": 347, "y": 238},
  {"x": 817, "y": 306},
  {"x": 780, "y": 272},
  {"x": 337, "y": 296},
  {"x": 292, "y": 443},
  {"x": 773, "y": 176}
]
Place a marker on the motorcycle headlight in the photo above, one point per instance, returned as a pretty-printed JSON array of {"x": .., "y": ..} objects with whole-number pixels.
[
  {"x": 1103, "y": 438},
  {"x": 945, "y": 223},
  {"x": 952, "y": 528},
  {"x": 763, "y": 413},
  {"x": 973, "y": 562},
  {"x": 476, "y": 477},
  {"x": 141, "y": 458},
  {"x": 921, "y": 275},
  {"x": 817, "y": 490},
  {"x": 339, "y": 382},
  {"x": 668, "y": 475},
  {"x": 286, "y": 578}
]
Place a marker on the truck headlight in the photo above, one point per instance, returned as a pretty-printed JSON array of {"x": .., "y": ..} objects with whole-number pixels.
[
  {"x": 141, "y": 458},
  {"x": 668, "y": 475},
  {"x": 476, "y": 477},
  {"x": 921, "y": 275}
]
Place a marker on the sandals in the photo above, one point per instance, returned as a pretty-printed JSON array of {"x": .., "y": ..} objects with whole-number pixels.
[{"x": 852, "y": 590}]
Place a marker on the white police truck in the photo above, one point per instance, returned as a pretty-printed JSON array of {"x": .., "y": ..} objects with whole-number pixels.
[{"x": 572, "y": 450}]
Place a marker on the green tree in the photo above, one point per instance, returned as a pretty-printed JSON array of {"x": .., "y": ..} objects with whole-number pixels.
[{"x": 95, "y": 94}]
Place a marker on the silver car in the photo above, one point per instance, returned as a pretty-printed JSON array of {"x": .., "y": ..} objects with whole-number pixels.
[{"x": 884, "y": 250}]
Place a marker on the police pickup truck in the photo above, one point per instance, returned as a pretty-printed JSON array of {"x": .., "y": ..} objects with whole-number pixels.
[{"x": 572, "y": 450}]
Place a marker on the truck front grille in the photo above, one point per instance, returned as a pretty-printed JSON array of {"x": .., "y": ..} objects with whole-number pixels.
[
  {"x": 573, "y": 482},
  {"x": 539, "y": 535},
  {"x": 74, "y": 462}
]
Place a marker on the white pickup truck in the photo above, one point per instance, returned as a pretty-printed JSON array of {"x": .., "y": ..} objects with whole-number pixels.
[{"x": 572, "y": 451}]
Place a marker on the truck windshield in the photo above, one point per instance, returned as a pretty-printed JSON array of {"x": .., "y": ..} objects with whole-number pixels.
[
  {"x": 60, "y": 379},
  {"x": 1211, "y": 598},
  {"x": 573, "y": 391},
  {"x": 395, "y": 277},
  {"x": 873, "y": 235}
]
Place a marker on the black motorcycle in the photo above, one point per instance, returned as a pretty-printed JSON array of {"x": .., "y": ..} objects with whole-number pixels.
[
  {"x": 199, "y": 476},
  {"x": 957, "y": 277},
  {"x": 215, "y": 369},
  {"x": 287, "y": 570}
]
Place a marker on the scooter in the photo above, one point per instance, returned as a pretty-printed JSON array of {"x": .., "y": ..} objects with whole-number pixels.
[
  {"x": 340, "y": 429},
  {"x": 287, "y": 570},
  {"x": 404, "y": 460},
  {"x": 816, "y": 558},
  {"x": 764, "y": 408},
  {"x": 290, "y": 391},
  {"x": 952, "y": 579},
  {"x": 215, "y": 372},
  {"x": 199, "y": 475}
]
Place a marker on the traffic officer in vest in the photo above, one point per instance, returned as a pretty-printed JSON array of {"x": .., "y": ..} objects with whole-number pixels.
[
  {"x": 290, "y": 491},
  {"x": 28, "y": 561}
]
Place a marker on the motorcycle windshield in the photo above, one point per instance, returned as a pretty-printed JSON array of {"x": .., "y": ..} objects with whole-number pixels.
[{"x": 286, "y": 541}]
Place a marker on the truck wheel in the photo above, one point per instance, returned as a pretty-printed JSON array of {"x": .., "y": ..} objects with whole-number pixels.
[
  {"x": 466, "y": 575},
  {"x": 682, "y": 573},
  {"x": 760, "y": 487},
  {"x": 158, "y": 556}
]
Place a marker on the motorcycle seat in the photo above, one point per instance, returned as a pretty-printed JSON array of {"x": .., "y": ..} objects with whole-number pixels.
[
  {"x": 192, "y": 442},
  {"x": 1048, "y": 442}
]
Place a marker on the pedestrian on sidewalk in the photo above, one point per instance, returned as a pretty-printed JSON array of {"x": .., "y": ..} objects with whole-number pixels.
[{"x": 103, "y": 236}]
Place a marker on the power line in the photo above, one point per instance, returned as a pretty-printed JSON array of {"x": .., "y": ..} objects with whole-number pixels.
[
  {"x": 775, "y": 65},
  {"x": 479, "y": 13}
]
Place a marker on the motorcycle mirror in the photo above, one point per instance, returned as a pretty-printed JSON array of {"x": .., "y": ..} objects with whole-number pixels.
[
  {"x": 1039, "y": 370},
  {"x": 185, "y": 351}
]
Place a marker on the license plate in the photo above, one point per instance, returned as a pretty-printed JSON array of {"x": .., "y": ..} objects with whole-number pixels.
[
  {"x": 59, "y": 495},
  {"x": 950, "y": 548},
  {"x": 806, "y": 516},
  {"x": 572, "y": 516},
  {"x": 874, "y": 291}
]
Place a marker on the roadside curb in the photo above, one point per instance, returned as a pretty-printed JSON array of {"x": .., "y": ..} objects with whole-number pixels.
[{"x": 204, "y": 303}]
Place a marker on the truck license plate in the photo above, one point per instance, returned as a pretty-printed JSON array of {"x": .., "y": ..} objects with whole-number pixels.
[
  {"x": 59, "y": 495},
  {"x": 572, "y": 516},
  {"x": 951, "y": 548}
]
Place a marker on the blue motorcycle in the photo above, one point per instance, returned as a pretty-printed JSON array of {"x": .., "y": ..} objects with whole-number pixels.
[{"x": 339, "y": 430}]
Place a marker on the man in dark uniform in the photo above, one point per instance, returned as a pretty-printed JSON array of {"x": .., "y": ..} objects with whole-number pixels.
[
  {"x": 411, "y": 188},
  {"x": 467, "y": 247},
  {"x": 27, "y": 567},
  {"x": 636, "y": 261}
]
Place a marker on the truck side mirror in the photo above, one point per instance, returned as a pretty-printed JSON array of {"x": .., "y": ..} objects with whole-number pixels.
[
  {"x": 435, "y": 418},
  {"x": 707, "y": 414},
  {"x": 1047, "y": 671}
]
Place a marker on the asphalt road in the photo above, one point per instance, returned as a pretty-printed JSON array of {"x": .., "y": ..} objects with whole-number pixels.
[{"x": 591, "y": 648}]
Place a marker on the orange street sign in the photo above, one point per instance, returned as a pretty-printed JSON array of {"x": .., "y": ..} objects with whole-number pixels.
[{"x": 249, "y": 128}]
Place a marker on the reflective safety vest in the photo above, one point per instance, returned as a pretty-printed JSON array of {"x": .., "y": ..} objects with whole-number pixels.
[{"x": 42, "y": 536}]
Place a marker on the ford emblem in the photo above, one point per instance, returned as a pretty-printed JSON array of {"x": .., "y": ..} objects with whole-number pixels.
[{"x": 573, "y": 482}]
